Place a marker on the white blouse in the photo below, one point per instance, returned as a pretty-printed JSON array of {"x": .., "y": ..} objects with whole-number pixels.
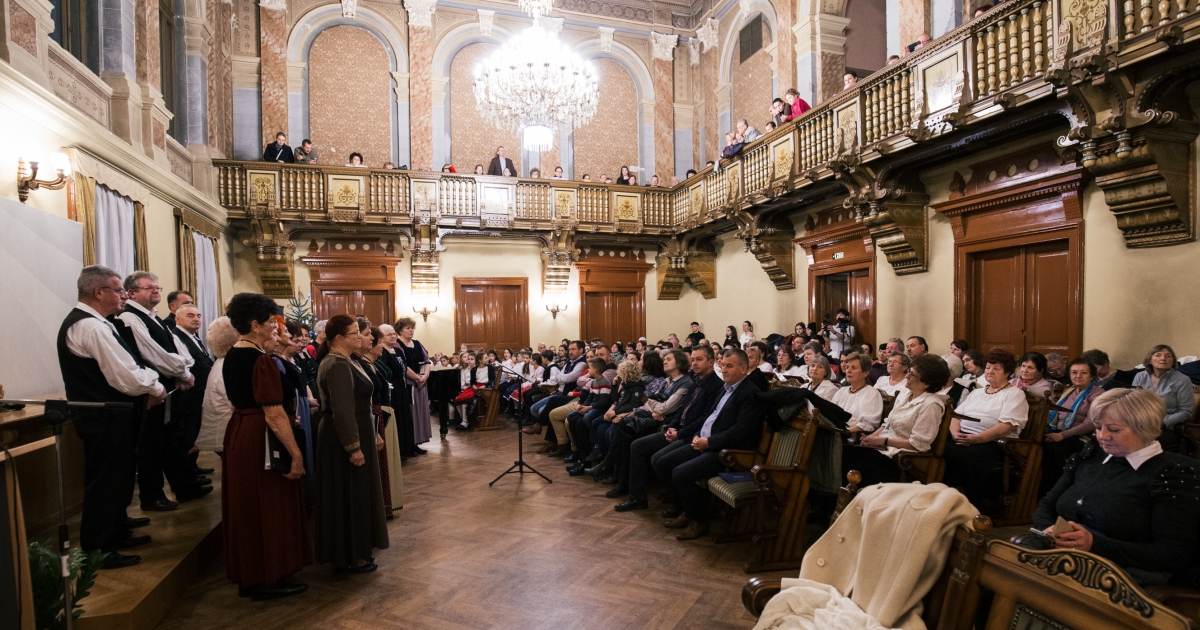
[
  {"x": 765, "y": 368},
  {"x": 914, "y": 419},
  {"x": 795, "y": 370},
  {"x": 1007, "y": 405},
  {"x": 884, "y": 384},
  {"x": 865, "y": 407},
  {"x": 745, "y": 337},
  {"x": 825, "y": 390}
]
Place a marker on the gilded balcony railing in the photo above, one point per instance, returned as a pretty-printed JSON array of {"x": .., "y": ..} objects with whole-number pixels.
[
  {"x": 456, "y": 196},
  {"x": 389, "y": 192},
  {"x": 815, "y": 139},
  {"x": 887, "y": 104},
  {"x": 1143, "y": 16},
  {"x": 716, "y": 186},
  {"x": 533, "y": 201},
  {"x": 658, "y": 208},
  {"x": 757, "y": 164},
  {"x": 594, "y": 206},
  {"x": 1013, "y": 49}
]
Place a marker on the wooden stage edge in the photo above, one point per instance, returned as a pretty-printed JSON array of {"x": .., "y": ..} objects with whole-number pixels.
[{"x": 185, "y": 541}]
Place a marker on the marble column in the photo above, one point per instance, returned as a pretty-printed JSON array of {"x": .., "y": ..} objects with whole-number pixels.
[
  {"x": 220, "y": 79},
  {"x": 118, "y": 68},
  {"x": 420, "y": 64},
  {"x": 273, "y": 77},
  {"x": 785, "y": 42},
  {"x": 820, "y": 56},
  {"x": 664, "y": 105},
  {"x": 712, "y": 143},
  {"x": 914, "y": 20}
]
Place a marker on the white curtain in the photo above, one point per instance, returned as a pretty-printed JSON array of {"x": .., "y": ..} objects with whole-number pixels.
[
  {"x": 206, "y": 280},
  {"x": 115, "y": 246}
]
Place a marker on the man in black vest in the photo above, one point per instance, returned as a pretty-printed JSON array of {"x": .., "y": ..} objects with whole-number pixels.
[
  {"x": 97, "y": 366},
  {"x": 147, "y": 335},
  {"x": 184, "y": 433}
]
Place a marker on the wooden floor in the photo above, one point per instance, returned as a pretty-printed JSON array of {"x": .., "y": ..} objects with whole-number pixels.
[{"x": 520, "y": 554}]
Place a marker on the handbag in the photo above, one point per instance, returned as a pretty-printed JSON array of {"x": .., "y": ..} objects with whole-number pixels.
[{"x": 277, "y": 458}]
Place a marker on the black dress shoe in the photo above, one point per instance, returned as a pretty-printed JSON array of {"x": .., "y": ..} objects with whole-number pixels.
[
  {"x": 275, "y": 591},
  {"x": 671, "y": 512},
  {"x": 134, "y": 523},
  {"x": 573, "y": 458},
  {"x": 114, "y": 560},
  {"x": 632, "y": 504},
  {"x": 204, "y": 481},
  {"x": 620, "y": 491},
  {"x": 576, "y": 471},
  {"x": 610, "y": 480},
  {"x": 205, "y": 471},
  {"x": 133, "y": 541},
  {"x": 420, "y": 451},
  {"x": 369, "y": 567},
  {"x": 161, "y": 505},
  {"x": 199, "y": 494}
]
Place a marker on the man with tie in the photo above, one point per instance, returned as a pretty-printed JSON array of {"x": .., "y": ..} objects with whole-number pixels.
[
  {"x": 148, "y": 336},
  {"x": 97, "y": 366},
  {"x": 187, "y": 329}
]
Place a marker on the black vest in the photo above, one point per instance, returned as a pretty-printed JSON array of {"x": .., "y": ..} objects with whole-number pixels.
[
  {"x": 83, "y": 378},
  {"x": 202, "y": 362},
  {"x": 158, "y": 333}
]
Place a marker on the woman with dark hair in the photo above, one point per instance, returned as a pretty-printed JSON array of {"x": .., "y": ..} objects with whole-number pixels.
[
  {"x": 297, "y": 402},
  {"x": 958, "y": 347},
  {"x": 1064, "y": 429},
  {"x": 265, "y": 525},
  {"x": 747, "y": 335},
  {"x": 417, "y": 366},
  {"x": 356, "y": 159},
  {"x": 731, "y": 338},
  {"x": 996, "y": 411},
  {"x": 1162, "y": 378},
  {"x": 786, "y": 364},
  {"x": 479, "y": 169},
  {"x": 911, "y": 427},
  {"x": 1029, "y": 376},
  {"x": 350, "y": 517},
  {"x": 624, "y": 177}
]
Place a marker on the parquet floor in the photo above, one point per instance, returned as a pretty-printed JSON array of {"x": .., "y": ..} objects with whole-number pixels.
[{"x": 520, "y": 554}]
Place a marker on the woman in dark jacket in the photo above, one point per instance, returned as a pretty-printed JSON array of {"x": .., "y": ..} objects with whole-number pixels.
[{"x": 1127, "y": 500}]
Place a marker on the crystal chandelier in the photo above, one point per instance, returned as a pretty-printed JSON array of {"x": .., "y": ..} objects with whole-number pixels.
[
  {"x": 536, "y": 7},
  {"x": 535, "y": 82}
]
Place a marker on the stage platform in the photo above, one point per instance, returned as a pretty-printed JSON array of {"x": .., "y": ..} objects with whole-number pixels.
[{"x": 184, "y": 542}]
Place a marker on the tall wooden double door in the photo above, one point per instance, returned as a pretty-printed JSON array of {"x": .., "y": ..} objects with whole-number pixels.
[
  {"x": 491, "y": 313},
  {"x": 1019, "y": 298},
  {"x": 614, "y": 315},
  {"x": 375, "y": 305}
]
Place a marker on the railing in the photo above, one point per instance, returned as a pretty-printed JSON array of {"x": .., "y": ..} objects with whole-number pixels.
[{"x": 999, "y": 58}]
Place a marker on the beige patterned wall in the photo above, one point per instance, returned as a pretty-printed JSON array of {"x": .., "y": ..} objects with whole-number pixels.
[
  {"x": 350, "y": 96},
  {"x": 611, "y": 138},
  {"x": 472, "y": 139},
  {"x": 752, "y": 87}
]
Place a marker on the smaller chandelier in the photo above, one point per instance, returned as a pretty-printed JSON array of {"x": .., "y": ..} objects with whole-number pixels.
[
  {"x": 533, "y": 83},
  {"x": 536, "y": 7}
]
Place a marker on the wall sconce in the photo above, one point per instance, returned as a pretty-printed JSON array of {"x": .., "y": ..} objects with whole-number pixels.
[
  {"x": 425, "y": 312},
  {"x": 27, "y": 175},
  {"x": 425, "y": 297},
  {"x": 556, "y": 303}
]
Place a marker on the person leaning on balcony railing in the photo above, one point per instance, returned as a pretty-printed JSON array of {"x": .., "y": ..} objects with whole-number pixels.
[
  {"x": 747, "y": 132},
  {"x": 849, "y": 79},
  {"x": 279, "y": 151},
  {"x": 778, "y": 111},
  {"x": 795, "y": 105},
  {"x": 306, "y": 153}
]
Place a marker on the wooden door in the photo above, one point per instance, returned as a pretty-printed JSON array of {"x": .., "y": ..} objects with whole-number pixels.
[
  {"x": 1018, "y": 298},
  {"x": 491, "y": 313},
  {"x": 617, "y": 315},
  {"x": 835, "y": 294},
  {"x": 375, "y": 305},
  {"x": 861, "y": 304}
]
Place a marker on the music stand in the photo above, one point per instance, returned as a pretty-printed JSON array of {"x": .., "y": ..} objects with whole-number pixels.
[
  {"x": 519, "y": 466},
  {"x": 55, "y": 415}
]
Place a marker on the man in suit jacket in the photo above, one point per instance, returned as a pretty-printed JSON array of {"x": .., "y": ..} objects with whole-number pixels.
[
  {"x": 747, "y": 131},
  {"x": 499, "y": 163},
  {"x": 735, "y": 422},
  {"x": 183, "y": 434},
  {"x": 279, "y": 151}
]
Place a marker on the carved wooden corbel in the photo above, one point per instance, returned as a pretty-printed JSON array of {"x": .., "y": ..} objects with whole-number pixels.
[
  {"x": 770, "y": 240},
  {"x": 1146, "y": 176},
  {"x": 274, "y": 251},
  {"x": 557, "y": 256},
  {"x": 899, "y": 228},
  {"x": 686, "y": 261}
]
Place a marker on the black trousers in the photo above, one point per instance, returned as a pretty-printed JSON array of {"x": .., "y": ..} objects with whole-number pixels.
[
  {"x": 108, "y": 474},
  {"x": 972, "y": 468},
  {"x": 874, "y": 465},
  {"x": 681, "y": 466},
  {"x": 641, "y": 455},
  {"x": 621, "y": 449},
  {"x": 158, "y": 456}
]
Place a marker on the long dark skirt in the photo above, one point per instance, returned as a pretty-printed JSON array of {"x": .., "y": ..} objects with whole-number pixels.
[
  {"x": 350, "y": 520},
  {"x": 874, "y": 465}
]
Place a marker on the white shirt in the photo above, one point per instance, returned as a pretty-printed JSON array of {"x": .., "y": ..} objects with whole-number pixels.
[
  {"x": 503, "y": 374},
  {"x": 216, "y": 411},
  {"x": 825, "y": 390},
  {"x": 1141, "y": 456},
  {"x": 745, "y": 337},
  {"x": 173, "y": 364},
  {"x": 765, "y": 368},
  {"x": 1007, "y": 405},
  {"x": 884, "y": 384},
  {"x": 795, "y": 370},
  {"x": 92, "y": 338},
  {"x": 917, "y": 420},
  {"x": 838, "y": 340},
  {"x": 864, "y": 406}
]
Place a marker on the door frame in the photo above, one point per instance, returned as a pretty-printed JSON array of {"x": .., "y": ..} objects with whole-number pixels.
[
  {"x": 639, "y": 307},
  {"x": 1031, "y": 206},
  {"x": 522, "y": 308},
  {"x": 833, "y": 233},
  {"x": 344, "y": 264},
  {"x": 623, "y": 272}
]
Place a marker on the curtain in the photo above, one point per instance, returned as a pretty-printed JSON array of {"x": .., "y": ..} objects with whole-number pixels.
[
  {"x": 187, "y": 258},
  {"x": 85, "y": 214},
  {"x": 216, "y": 250},
  {"x": 116, "y": 245},
  {"x": 141, "y": 252},
  {"x": 207, "y": 295}
]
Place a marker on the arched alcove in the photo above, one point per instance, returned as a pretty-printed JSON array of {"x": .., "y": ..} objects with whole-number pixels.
[{"x": 351, "y": 96}]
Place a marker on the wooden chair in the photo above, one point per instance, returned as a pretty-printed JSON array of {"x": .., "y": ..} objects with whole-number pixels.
[
  {"x": 781, "y": 477},
  {"x": 1061, "y": 588},
  {"x": 490, "y": 397},
  {"x": 889, "y": 402},
  {"x": 1190, "y": 431},
  {"x": 928, "y": 467},
  {"x": 1021, "y": 468},
  {"x": 949, "y": 605}
]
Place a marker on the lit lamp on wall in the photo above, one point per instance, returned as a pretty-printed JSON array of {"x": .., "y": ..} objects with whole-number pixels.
[
  {"x": 556, "y": 302},
  {"x": 424, "y": 301},
  {"x": 27, "y": 173}
]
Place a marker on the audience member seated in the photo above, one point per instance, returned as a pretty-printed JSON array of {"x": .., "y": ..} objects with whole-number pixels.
[
  {"x": 958, "y": 347},
  {"x": 863, "y": 402},
  {"x": 473, "y": 376},
  {"x": 915, "y": 346},
  {"x": 818, "y": 378},
  {"x": 897, "y": 370},
  {"x": 356, "y": 160},
  {"x": 501, "y": 165},
  {"x": 1056, "y": 369},
  {"x": 279, "y": 151},
  {"x": 1029, "y": 375},
  {"x": 911, "y": 427},
  {"x": 996, "y": 411},
  {"x": 535, "y": 173},
  {"x": 747, "y": 131},
  {"x": 734, "y": 423},
  {"x": 596, "y": 395},
  {"x": 479, "y": 169},
  {"x": 786, "y": 364},
  {"x": 1127, "y": 500},
  {"x": 1162, "y": 377},
  {"x": 1065, "y": 428},
  {"x": 306, "y": 153}
]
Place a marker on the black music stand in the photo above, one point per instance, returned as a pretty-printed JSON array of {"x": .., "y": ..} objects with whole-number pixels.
[{"x": 519, "y": 466}]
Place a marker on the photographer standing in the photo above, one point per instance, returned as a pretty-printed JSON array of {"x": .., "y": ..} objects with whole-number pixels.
[{"x": 841, "y": 333}]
